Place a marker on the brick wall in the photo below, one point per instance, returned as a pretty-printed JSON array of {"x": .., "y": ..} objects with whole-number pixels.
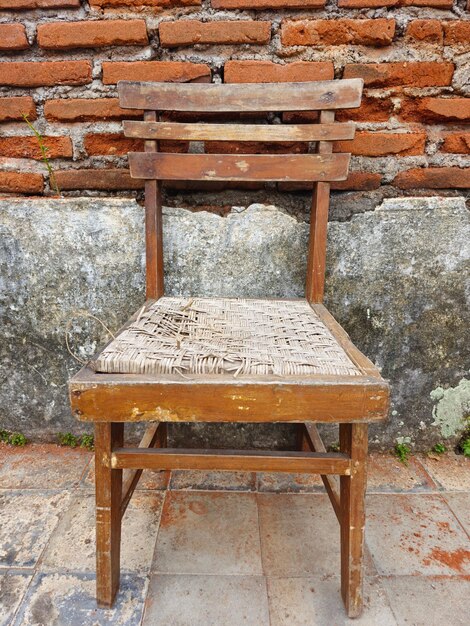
[{"x": 61, "y": 60}]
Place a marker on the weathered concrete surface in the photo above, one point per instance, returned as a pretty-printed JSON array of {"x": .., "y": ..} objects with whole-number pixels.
[{"x": 396, "y": 282}]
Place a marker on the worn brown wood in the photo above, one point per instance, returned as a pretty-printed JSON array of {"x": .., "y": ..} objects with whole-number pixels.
[
  {"x": 330, "y": 482},
  {"x": 229, "y": 167},
  {"x": 136, "y": 398},
  {"x": 108, "y": 480},
  {"x": 238, "y": 132},
  {"x": 231, "y": 460},
  {"x": 153, "y": 227},
  {"x": 308, "y": 96},
  {"x": 132, "y": 477},
  {"x": 316, "y": 262},
  {"x": 353, "y": 442}
]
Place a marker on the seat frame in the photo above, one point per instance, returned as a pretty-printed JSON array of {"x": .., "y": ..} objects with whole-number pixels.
[{"x": 111, "y": 400}]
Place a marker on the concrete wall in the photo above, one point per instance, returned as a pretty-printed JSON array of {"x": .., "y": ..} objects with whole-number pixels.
[{"x": 397, "y": 280}]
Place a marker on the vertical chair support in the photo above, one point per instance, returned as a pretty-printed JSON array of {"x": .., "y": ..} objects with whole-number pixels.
[
  {"x": 108, "y": 511},
  {"x": 353, "y": 442}
]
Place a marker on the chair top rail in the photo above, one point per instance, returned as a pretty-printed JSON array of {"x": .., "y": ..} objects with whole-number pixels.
[
  {"x": 239, "y": 132},
  {"x": 210, "y": 97},
  {"x": 240, "y": 167}
]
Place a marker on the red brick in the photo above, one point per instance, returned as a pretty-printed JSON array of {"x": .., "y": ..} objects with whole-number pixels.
[
  {"x": 255, "y": 147},
  {"x": 138, "y": 4},
  {"x": 13, "y": 37},
  {"x": 87, "y": 110},
  {"x": 268, "y": 4},
  {"x": 28, "y": 147},
  {"x": 434, "y": 178},
  {"x": 189, "y": 32},
  {"x": 436, "y": 110},
  {"x": 169, "y": 71},
  {"x": 366, "y": 4},
  {"x": 377, "y": 32},
  {"x": 12, "y": 109},
  {"x": 109, "y": 179},
  {"x": 457, "y": 33},
  {"x": 45, "y": 73},
  {"x": 356, "y": 181},
  {"x": 458, "y": 143},
  {"x": 269, "y": 72},
  {"x": 371, "y": 110},
  {"x": 429, "y": 31},
  {"x": 38, "y": 4},
  {"x": 380, "y": 144},
  {"x": 402, "y": 74},
  {"x": 114, "y": 144},
  {"x": 16, "y": 182},
  {"x": 92, "y": 34}
]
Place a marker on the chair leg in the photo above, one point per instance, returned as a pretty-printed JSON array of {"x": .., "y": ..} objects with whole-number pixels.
[
  {"x": 108, "y": 512},
  {"x": 353, "y": 441}
]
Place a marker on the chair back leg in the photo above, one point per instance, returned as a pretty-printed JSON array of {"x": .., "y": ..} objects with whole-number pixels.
[
  {"x": 353, "y": 441},
  {"x": 108, "y": 512}
]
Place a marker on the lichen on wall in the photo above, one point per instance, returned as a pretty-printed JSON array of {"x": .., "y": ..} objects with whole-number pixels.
[{"x": 452, "y": 409}]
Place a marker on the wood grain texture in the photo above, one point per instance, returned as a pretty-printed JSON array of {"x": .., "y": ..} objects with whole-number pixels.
[
  {"x": 238, "y": 132},
  {"x": 241, "y": 167},
  {"x": 353, "y": 443},
  {"x": 308, "y": 96},
  {"x": 108, "y": 512},
  {"x": 136, "y": 398},
  {"x": 231, "y": 460},
  {"x": 316, "y": 262}
]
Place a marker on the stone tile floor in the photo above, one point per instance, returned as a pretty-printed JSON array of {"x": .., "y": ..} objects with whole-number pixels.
[{"x": 217, "y": 549}]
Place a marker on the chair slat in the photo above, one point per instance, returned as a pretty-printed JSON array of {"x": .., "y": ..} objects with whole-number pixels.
[
  {"x": 241, "y": 167},
  {"x": 239, "y": 132},
  {"x": 321, "y": 95}
]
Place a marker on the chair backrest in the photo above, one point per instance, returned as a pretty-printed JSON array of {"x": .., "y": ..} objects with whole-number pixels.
[{"x": 320, "y": 168}]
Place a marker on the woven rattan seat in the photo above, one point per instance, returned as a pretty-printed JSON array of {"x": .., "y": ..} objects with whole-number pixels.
[{"x": 226, "y": 336}]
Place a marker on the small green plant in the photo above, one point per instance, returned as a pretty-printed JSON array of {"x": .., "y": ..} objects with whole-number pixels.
[
  {"x": 334, "y": 447},
  {"x": 402, "y": 452},
  {"x": 45, "y": 159},
  {"x": 87, "y": 441},
  {"x": 439, "y": 448},
  {"x": 14, "y": 439},
  {"x": 17, "y": 439},
  {"x": 67, "y": 439},
  {"x": 465, "y": 447},
  {"x": 4, "y": 435}
]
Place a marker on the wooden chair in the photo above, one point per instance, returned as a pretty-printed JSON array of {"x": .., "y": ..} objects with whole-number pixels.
[{"x": 229, "y": 360}]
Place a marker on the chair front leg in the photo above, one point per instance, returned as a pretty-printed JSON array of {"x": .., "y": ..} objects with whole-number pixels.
[
  {"x": 108, "y": 512},
  {"x": 353, "y": 442}
]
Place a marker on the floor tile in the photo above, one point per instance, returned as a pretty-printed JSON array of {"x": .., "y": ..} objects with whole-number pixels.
[
  {"x": 208, "y": 533},
  {"x": 39, "y": 465},
  {"x": 72, "y": 545},
  {"x": 460, "y": 505},
  {"x": 316, "y": 601},
  {"x": 450, "y": 471},
  {"x": 210, "y": 481},
  {"x": 69, "y": 600},
  {"x": 427, "y": 601},
  {"x": 387, "y": 475},
  {"x": 207, "y": 601},
  {"x": 150, "y": 480},
  {"x": 27, "y": 521},
  {"x": 299, "y": 535},
  {"x": 415, "y": 534},
  {"x": 289, "y": 483},
  {"x": 13, "y": 586}
]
